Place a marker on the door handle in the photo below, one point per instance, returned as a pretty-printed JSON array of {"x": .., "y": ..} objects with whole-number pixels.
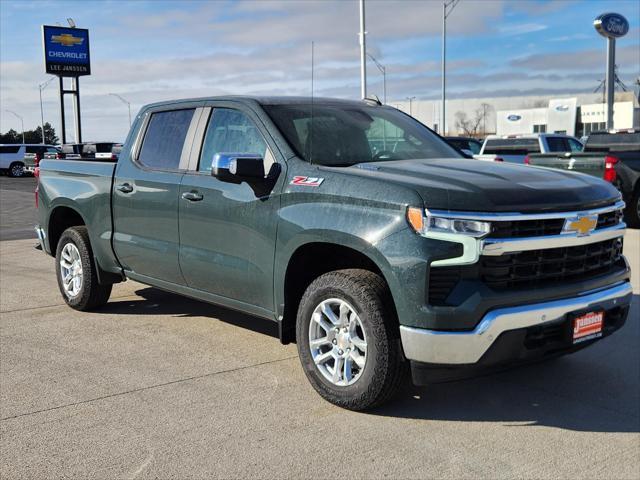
[
  {"x": 125, "y": 188},
  {"x": 192, "y": 196}
]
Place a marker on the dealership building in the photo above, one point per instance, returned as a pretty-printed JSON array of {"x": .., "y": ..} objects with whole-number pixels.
[{"x": 577, "y": 114}]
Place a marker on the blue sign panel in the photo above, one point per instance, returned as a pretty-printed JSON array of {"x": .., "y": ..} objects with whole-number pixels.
[
  {"x": 66, "y": 51},
  {"x": 514, "y": 118},
  {"x": 611, "y": 25}
]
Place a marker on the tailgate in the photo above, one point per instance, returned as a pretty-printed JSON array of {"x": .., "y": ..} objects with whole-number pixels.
[{"x": 589, "y": 164}]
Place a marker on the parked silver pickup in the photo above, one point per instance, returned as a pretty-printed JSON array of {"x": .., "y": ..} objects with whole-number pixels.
[
  {"x": 515, "y": 148},
  {"x": 614, "y": 157}
]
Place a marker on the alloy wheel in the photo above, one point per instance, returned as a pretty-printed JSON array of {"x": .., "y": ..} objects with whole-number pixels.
[{"x": 338, "y": 342}]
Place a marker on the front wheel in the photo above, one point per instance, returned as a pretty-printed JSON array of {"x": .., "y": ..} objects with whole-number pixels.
[
  {"x": 76, "y": 271},
  {"x": 348, "y": 339}
]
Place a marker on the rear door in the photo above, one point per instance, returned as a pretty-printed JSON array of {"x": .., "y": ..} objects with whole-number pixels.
[
  {"x": 228, "y": 230},
  {"x": 146, "y": 193}
]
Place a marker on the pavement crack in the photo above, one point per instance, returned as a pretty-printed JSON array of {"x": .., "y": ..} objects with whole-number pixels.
[{"x": 150, "y": 387}]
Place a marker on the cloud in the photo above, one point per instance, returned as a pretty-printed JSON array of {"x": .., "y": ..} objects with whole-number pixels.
[
  {"x": 627, "y": 59},
  {"x": 521, "y": 29}
]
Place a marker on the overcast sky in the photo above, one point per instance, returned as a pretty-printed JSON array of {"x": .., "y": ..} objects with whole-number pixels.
[{"x": 150, "y": 51}]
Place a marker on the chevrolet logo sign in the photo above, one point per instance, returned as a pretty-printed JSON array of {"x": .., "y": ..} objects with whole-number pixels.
[
  {"x": 581, "y": 225},
  {"x": 66, "y": 39}
]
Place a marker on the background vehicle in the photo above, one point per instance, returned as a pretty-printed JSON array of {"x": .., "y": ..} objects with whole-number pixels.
[
  {"x": 514, "y": 148},
  {"x": 72, "y": 151},
  {"x": 115, "y": 151},
  {"x": 373, "y": 260},
  {"x": 467, "y": 144},
  {"x": 15, "y": 157},
  {"x": 35, "y": 153},
  {"x": 99, "y": 151},
  {"x": 615, "y": 157}
]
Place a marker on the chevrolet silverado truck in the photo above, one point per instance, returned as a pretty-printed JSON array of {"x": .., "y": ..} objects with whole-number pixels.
[
  {"x": 614, "y": 157},
  {"x": 362, "y": 234}
]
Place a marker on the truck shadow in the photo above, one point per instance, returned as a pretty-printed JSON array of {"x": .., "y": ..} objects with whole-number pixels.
[
  {"x": 159, "y": 302},
  {"x": 594, "y": 390}
]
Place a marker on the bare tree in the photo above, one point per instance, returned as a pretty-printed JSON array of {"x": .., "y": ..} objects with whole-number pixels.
[{"x": 476, "y": 126}]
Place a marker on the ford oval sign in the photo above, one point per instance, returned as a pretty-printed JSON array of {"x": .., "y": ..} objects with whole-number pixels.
[
  {"x": 562, "y": 108},
  {"x": 611, "y": 25},
  {"x": 514, "y": 118}
]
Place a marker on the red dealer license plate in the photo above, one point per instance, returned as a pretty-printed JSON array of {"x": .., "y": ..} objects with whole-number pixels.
[{"x": 587, "y": 326}]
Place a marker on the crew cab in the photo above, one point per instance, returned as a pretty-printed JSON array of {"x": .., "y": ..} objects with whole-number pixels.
[
  {"x": 514, "y": 148},
  {"x": 373, "y": 259},
  {"x": 614, "y": 156}
]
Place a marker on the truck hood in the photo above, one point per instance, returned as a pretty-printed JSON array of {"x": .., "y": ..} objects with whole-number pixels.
[{"x": 474, "y": 185}]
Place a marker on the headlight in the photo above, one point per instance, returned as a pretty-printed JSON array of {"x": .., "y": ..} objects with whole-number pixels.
[{"x": 442, "y": 224}]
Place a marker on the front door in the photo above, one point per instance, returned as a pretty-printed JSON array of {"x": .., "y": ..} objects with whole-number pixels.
[
  {"x": 228, "y": 230},
  {"x": 146, "y": 193}
]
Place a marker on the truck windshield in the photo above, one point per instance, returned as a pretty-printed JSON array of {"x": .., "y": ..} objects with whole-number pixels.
[{"x": 342, "y": 135}]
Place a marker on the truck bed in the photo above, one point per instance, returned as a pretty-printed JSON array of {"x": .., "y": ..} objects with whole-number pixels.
[{"x": 86, "y": 185}]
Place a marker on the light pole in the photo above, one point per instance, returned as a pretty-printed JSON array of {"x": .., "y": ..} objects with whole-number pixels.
[
  {"x": 447, "y": 8},
  {"x": 41, "y": 87},
  {"x": 21, "y": 121},
  {"x": 124, "y": 100},
  {"x": 363, "y": 56},
  {"x": 383, "y": 70},
  {"x": 411, "y": 105}
]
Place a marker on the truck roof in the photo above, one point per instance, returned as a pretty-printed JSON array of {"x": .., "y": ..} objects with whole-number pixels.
[{"x": 269, "y": 100}]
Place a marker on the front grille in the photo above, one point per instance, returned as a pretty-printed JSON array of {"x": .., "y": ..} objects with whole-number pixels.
[
  {"x": 524, "y": 270},
  {"x": 544, "y": 267},
  {"x": 542, "y": 227},
  {"x": 609, "y": 219},
  {"x": 526, "y": 228}
]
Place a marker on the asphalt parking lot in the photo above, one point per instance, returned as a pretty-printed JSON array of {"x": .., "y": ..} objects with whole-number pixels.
[{"x": 155, "y": 385}]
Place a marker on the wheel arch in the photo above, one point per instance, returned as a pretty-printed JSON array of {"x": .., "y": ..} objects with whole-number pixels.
[
  {"x": 60, "y": 219},
  {"x": 310, "y": 260}
]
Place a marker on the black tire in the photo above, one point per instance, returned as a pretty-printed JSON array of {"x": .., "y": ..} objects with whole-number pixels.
[
  {"x": 384, "y": 366},
  {"x": 633, "y": 210},
  {"x": 91, "y": 294},
  {"x": 16, "y": 170}
]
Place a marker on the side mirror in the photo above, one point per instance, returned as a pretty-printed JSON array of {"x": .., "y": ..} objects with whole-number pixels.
[{"x": 236, "y": 166}]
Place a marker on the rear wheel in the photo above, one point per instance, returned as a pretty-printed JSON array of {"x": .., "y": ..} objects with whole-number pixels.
[
  {"x": 16, "y": 169},
  {"x": 76, "y": 271},
  {"x": 348, "y": 340}
]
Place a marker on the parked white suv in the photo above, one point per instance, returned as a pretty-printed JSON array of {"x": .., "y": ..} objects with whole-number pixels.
[
  {"x": 13, "y": 156},
  {"x": 514, "y": 148}
]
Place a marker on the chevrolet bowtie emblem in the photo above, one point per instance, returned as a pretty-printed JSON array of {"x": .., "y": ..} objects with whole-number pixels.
[
  {"x": 582, "y": 225},
  {"x": 66, "y": 39}
]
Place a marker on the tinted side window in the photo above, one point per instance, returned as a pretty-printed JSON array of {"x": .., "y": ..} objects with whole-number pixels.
[
  {"x": 10, "y": 149},
  {"x": 104, "y": 147},
  {"x": 164, "y": 139},
  {"x": 230, "y": 131},
  {"x": 557, "y": 144},
  {"x": 575, "y": 145}
]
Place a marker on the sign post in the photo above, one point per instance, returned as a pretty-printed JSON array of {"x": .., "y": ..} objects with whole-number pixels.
[
  {"x": 611, "y": 26},
  {"x": 66, "y": 54}
]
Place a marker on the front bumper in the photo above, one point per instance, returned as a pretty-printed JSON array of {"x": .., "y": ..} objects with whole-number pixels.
[{"x": 468, "y": 347}]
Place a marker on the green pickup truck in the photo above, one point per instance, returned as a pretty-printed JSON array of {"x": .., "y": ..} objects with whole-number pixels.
[
  {"x": 614, "y": 157},
  {"x": 362, "y": 234}
]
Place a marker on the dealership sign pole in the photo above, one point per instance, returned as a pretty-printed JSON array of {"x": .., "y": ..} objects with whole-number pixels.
[
  {"x": 611, "y": 26},
  {"x": 66, "y": 54}
]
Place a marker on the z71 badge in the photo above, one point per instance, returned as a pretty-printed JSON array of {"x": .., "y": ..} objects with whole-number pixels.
[{"x": 307, "y": 181}]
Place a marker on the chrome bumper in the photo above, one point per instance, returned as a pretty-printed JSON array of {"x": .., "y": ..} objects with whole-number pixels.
[{"x": 451, "y": 347}]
